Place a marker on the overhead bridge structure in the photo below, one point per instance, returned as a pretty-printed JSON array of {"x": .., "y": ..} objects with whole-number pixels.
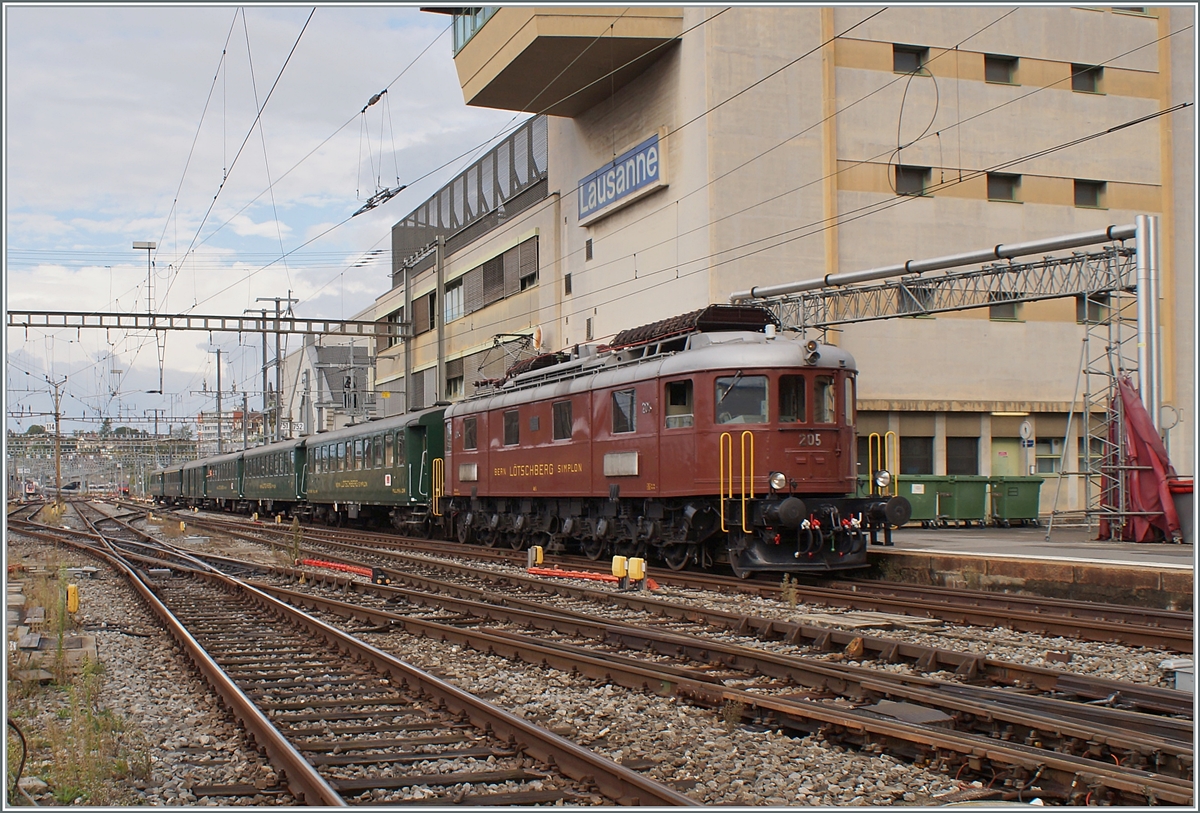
[{"x": 1117, "y": 282}]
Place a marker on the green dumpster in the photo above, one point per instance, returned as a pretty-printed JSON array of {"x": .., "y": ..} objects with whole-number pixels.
[
  {"x": 964, "y": 499},
  {"x": 921, "y": 490},
  {"x": 1015, "y": 499}
]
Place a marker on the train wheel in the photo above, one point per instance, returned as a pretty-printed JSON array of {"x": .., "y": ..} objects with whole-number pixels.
[
  {"x": 677, "y": 556},
  {"x": 593, "y": 548},
  {"x": 487, "y": 537},
  {"x": 466, "y": 534},
  {"x": 516, "y": 540}
]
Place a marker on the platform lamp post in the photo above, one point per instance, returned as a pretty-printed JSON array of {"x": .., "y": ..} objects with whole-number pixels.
[{"x": 148, "y": 247}]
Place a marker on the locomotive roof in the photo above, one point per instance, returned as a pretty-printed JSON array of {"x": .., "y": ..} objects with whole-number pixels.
[{"x": 699, "y": 352}]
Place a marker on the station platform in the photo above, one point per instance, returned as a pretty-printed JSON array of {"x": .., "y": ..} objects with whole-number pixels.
[{"x": 1070, "y": 565}]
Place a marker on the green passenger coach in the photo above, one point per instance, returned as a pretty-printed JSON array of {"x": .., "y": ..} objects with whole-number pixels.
[{"x": 380, "y": 471}]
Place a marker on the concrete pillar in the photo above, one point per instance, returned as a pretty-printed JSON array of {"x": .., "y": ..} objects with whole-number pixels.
[
  {"x": 985, "y": 444},
  {"x": 939, "y": 443}
]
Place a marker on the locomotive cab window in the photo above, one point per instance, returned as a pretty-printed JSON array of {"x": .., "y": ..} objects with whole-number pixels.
[
  {"x": 512, "y": 428},
  {"x": 824, "y": 400},
  {"x": 680, "y": 409},
  {"x": 851, "y": 401},
  {"x": 562, "y": 420},
  {"x": 624, "y": 417},
  {"x": 469, "y": 433},
  {"x": 793, "y": 403},
  {"x": 741, "y": 399}
]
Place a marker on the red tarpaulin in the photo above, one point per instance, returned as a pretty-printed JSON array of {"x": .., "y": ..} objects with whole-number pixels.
[{"x": 1147, "y": 483}]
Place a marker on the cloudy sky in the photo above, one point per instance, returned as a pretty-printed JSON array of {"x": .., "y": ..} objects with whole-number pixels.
[{"x": 138, "y": 124}]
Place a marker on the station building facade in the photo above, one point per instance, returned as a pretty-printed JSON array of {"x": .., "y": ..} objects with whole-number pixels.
[{"x": 676, "y": 155}]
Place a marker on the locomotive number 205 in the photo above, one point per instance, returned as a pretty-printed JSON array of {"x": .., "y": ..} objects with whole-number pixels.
[{"x": 810, "y": 439}]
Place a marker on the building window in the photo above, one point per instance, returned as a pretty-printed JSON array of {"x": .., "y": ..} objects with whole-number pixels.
[
  {"x": 567, "y": 284},
  {"x": 916, "y": 455},
  {"x": 587, "y": 249},
  {"x": 1048, "y": 454},
  {"x": 1091, "y": 308},
  {"x": 624, "y": 417},
  {"x": 453, "y": 302},
  {"x": 1003, "y": 307},
  {"x": 562, "y": 420},
  {"x": 512, "y": 428},
  {"x": 469, "y": 428},
  {"x": 395, "y": 319},
  {"x": 1090, "y": 194},
  {"x": 680, "y": 410},
  {"x": 424, "y": 318},
  {"x": 962, "y": 456},
  {"x": 1000, "y": 70},
  {"x": 909, "y": 59},
  {"x": 454, "y": 388},
  {"x": 1002, "y": 187},
  {"x": 1086, "y": 78},
  {"x": 911, "y": 180},
  {"x": 589, "y": 333}
]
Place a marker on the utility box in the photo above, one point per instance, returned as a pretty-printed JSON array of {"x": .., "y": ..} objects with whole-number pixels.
[
  {"x": 1015, "y": 499},
  {"x": 1185, "y": 673}
]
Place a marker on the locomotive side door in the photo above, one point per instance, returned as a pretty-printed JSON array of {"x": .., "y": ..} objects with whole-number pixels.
[{"x": 677, "y": 439}]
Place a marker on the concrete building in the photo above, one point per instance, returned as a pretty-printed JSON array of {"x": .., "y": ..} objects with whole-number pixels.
[
  {"x": 328, "y": 383},
  {"x": 680, "y": 154}
]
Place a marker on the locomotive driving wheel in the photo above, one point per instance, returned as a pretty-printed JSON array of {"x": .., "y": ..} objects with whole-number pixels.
[
  {"x": 593, "y": 548},
  {"x": 678, "y": 555}
]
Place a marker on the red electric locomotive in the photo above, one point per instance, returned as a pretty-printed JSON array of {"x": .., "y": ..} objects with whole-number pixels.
[{"x": 705, "y": 438}]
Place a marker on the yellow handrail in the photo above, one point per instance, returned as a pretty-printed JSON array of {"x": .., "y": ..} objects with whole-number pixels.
[
  {"x": 725, "y": 436},
  {"x": 893, "y": 450},
  {"x": 437, "y": 484},
  {"x": 747, "y": 435},
  {"x": 886, "y": 452},
  {"x": 746, "y": 487}
]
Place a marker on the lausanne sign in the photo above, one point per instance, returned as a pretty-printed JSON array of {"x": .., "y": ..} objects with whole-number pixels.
[{"x": 633, "y": 174}]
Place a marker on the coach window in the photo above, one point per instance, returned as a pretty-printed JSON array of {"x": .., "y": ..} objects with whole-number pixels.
[
  {"x": 340, "y": 463},
  {"x": 512, "y": 428},
  {"x": 679, "y": 404},
  {"x": 793, "y": 405},
  {"x": 469, "y": 429},
  {"x": 358, "y": 454},
  {"x": 378, "y": 447},
  {"x": 562, "y": 420},
  {"x": 389, "y": 452},
  {"x": 624, "y": 417},
  {"x": 741, "y": 399},
  {"x": 400, "y": 448},
  {"x": 824, "y": 398}
]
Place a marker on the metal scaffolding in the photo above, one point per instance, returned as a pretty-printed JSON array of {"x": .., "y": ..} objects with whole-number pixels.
[{"x": 1116, "y": 290}]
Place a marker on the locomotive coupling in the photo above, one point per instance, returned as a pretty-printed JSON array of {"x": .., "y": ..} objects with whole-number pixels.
[
  {"x": 895, "y": 511},
  {"x": 789, "y": 513}
]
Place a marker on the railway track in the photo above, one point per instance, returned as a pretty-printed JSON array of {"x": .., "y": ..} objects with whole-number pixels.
[
  {"x": 344, "y": 722},
  {"x": 1058, "y": 749},
  {"x": 1085, "y": 621}
]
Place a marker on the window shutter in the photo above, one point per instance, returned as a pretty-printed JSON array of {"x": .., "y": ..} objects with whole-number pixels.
[
  {"x": 529, "y": 258},
  {"x": 493, "y": 280},
  {"x": 417, "y": 396},
  {"x": 473, "y": 290},
  {"x": 512, "y": 271},
  {"x": 454, "y": 368}
]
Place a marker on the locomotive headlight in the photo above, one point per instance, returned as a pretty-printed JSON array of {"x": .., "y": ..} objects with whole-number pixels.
[
  {"x": 777, "y": 480},
  {"x": 883, "y": 478}
]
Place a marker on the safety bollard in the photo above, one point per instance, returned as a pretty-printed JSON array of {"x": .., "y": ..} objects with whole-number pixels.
[
  {"x": 255, "y": 517},
  {"x": 620, "y": 569},
  {"x": 72, "y": 598},
  {"x": 637, "y": 572},
  {"x": 182, "y": 525},
  {"x": 534, "y": 557},
  {"x": 279, "y": 519}
]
